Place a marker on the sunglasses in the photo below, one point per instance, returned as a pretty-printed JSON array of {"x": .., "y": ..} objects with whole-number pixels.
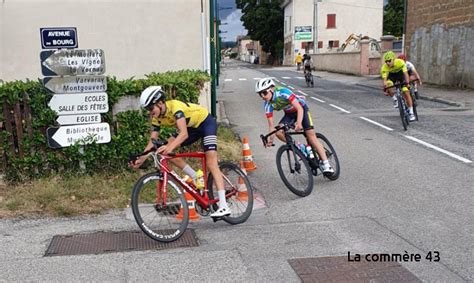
[
  {"x": 150, "y": 107},
  {"x": 263, "y": 93}
]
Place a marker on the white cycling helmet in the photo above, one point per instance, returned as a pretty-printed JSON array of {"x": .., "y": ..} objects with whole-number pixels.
[
  {"x": 150, "y": 96},
  {"x": 264, "y": 84}
]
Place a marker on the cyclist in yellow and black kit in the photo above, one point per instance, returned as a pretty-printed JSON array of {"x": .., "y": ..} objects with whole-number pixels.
[
  {"x": 193, "y": 123},
  {"x": 394, "y": 70}
]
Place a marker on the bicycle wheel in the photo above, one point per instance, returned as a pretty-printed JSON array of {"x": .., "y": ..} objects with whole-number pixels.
[
  {"x": 312, "y": 81},
  {"x": 163, "y": 223},
  {"x": 308, "y": 82},
  {"x": 239, "y": 192},
  {"x": 296, "y": 174},
  {"x": 401, "y": 109},
  {"x": 415, "y": 104},
  {"x": 332, "y": 157}
]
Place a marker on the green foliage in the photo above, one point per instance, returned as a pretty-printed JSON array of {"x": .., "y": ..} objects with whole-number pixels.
[
  {"x": 264, "y": 21},
  {"x": 393, "y": 18},
  {"x": 129, "y": 130}
]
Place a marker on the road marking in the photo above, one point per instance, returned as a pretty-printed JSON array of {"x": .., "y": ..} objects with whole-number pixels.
[
  {"x": 317, "y": 99},
  {"x": 242, "y": 79},
  {"x": 299, "y": 78},
  {"x": 302, "y": 93},
  {"x": 282, "y": 83},
  {"x": 256, "y": 78},
  {"x": 285, "y": 77},
  {"x": 228, "y": 80},
  {"x": 339, "y": 108},
  {"x": 291, "y": 87},
  {"x": 375, "y": 123},
  {"x": 439, "y": 149}
]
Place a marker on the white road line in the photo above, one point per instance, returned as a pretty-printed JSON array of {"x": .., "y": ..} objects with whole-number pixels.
[
  {"x": 242, "y": 79},
  {"x": 302, "y": 93},
  {"x": 228, "y": 80},
  {"x": 291, "y": 87},
  {"x": 375, "y": 123},
  {"x": 256, "y": 78},
  {"x": 317, "y": 99},
  {"x": 339, "y": 108},
  {"x": 299, "y": 78},
  {"x": 439, "y": 149},
  {"x": 282, "y": 83},
  {"x": 285, "y": 77}
]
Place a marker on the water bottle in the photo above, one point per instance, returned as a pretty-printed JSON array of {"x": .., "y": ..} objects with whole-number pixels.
[
  {"x": 309, "y": 151},
  {"x": 199, "y": 179},
  {"x": 302, "y": 148}
]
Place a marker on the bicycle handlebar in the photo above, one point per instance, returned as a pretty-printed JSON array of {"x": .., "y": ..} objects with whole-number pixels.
[
  {"x": 402, "y": 84},
  {"x": 156, "y": 144},
  {"x": 284, "y": 127}
]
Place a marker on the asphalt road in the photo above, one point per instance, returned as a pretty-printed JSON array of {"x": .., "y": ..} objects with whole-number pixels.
[{"x": 394, "y": 195}]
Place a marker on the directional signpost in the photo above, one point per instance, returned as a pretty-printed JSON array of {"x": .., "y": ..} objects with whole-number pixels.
[
  {"x": 76, "y": 84},
  {"x": 82, "y": 134},
  {"x": 74, "y": 76},
  {"x": 80, "y": 103},
  {"x": 72, "y": 62}
]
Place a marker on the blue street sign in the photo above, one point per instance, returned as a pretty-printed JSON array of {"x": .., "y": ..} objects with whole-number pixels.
[{"x": 54, "y": 38}]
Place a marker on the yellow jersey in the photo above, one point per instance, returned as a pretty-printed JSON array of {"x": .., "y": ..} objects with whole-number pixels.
[
  {"x": 175, "y": 109},
  {"x": 398, "y": 65}
]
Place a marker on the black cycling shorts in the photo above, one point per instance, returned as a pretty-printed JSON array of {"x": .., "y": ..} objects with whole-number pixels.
[
  {"x": 290, "y": 119},
  {"x": 207, "y": 131}
]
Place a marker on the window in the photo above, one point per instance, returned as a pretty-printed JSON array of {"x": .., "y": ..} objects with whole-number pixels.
[
  {"x": 331, "y": 21},
  {"x": 320, "y": 44},
  {"x": 333, "y": 44}
]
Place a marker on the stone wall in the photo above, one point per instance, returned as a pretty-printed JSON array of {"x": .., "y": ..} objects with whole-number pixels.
[{"x": 440, "y": 40}]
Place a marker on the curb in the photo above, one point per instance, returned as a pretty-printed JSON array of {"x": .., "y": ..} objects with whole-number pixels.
[{"x": 222, "y": 115}]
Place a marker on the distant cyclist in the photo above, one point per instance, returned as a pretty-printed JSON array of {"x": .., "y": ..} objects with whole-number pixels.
[
  {"x": 296, "y": 113},
  {"x": 307, "y": 63},
  {"x": 395, "y": 70},
  {"x": 412, "y": 73}
]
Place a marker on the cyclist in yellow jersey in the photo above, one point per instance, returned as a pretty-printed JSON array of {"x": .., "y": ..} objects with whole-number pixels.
[
  {"x": 193, "y": 123},
  {"x": 394, "y": 70}
]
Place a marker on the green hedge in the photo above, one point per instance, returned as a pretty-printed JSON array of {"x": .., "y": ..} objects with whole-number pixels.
[{"x": 129, "y": 130}]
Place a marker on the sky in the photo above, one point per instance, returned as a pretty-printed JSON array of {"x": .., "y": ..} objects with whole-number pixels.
[{"x": 234, "y": 26}]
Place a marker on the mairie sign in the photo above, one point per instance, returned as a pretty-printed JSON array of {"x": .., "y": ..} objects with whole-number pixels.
[
  {"x": 81, "y": 134},
  {"x": 76, "y": 84},
  {"x": 80, "y": 103},
  {"x": 55, "y": 38},
  {"x": 72, "y": 62}
]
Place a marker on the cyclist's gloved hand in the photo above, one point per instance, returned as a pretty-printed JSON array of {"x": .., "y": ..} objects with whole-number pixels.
[
  {"x": 165, "y": 149},
  {"x": 135, "y": 164},
  {"x": 298, "y": 127}
]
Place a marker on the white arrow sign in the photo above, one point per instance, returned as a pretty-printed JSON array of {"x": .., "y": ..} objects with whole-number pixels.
[
  {"x": 81, "y": 103},
  {"x": 75, "y": 84},
  {"x": 82, "y": 134},
  {"x": 78, "y": 119},
  {"x": 72, "y": 62}
]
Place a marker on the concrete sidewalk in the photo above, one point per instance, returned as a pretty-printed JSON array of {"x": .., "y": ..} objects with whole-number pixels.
[{"x": 451, "y": 96}]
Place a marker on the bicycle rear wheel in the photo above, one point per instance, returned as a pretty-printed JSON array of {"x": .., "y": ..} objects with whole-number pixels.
[
  {"x": 401, "y": 109},
  {"x": 312, "y": 80},
  {"x": 332, "y": 157},
  {"x": 307, "y": 79},
  {"x": 296, "y": 174},
  {"x": 239, "y": 192},
  {"x": 163, "y": 223},
  {"x": 415, "y": 104}
]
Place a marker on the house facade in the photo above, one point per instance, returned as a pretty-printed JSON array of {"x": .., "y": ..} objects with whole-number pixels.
[{"x": 320, "y": 26}]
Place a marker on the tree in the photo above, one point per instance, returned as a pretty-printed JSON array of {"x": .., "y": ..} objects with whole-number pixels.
[
  {"x": 393, "y": 17},
  {"x": 263, "y": 20}
]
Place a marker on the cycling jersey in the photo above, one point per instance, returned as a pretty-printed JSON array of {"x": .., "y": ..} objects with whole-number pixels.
[
  {"x": 398, "y": 66},
  {"x": 175, "y": 109},
  {"x": 281, "y": 100}
]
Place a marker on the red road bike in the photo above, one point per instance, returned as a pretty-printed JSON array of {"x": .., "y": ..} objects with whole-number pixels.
[{"x": 159, "y": 205}]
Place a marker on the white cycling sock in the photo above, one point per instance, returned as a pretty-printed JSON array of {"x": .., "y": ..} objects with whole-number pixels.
[
  {"x": 410, "y": 109},
  {"x": 189, "y": 171},
  {"x": 394, "y": 97},
  {"x": 222, "y": 201}
]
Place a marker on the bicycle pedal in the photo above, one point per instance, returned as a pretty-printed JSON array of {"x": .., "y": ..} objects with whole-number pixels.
[{"x": 215, "y": 219}]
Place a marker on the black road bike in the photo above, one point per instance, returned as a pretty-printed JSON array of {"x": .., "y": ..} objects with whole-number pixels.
[
  {"x": 296, "y": 168},
  {"x": 403, "y": 106},
  {"x": 308, "y": 77}
]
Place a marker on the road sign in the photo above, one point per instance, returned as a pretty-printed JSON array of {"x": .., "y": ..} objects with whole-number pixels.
[
  {"x": 80, "y": 103},
  {"x": 83, "y": 134},
  {"x": 78, "y": 119},
  {"x": 55, "y": 38},
  {"x": 72, "y": 62},
  {"x": 76, "y": 84}
]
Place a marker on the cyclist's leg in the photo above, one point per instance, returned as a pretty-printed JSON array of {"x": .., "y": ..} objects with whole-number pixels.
[
  {"x": 193, "y": 135},
  {"x": 311, "y": 134},
  {"x": 288, "y": 119}
]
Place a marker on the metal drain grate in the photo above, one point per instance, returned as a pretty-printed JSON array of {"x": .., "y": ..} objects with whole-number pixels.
[
  {"x": 338, "y": 269},
  {"x": 107, "y": 242}
]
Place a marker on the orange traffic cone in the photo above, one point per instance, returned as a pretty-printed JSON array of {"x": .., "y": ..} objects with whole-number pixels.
[
  {"x": 242, "y": 194},
  {"x": 248, "y": 161},
  {"x": 193, "y": 216}
]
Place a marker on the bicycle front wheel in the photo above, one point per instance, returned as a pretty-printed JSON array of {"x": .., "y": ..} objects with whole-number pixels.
[
  {"x": 294, "y": 170},
  {"x": 401, "y": 109},
  {"x": 239, "y": 192},
  {"x": 332, "y": 157},
  {"x": 163, "y": 220}
]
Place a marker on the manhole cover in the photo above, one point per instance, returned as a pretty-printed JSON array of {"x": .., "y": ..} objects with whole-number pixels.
[
  {"x": 107, "y": 242},
  {"x": 338, "y": 269}
]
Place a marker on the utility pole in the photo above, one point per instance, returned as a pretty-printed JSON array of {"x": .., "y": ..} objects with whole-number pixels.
[{"x": 213, "y": 56}]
